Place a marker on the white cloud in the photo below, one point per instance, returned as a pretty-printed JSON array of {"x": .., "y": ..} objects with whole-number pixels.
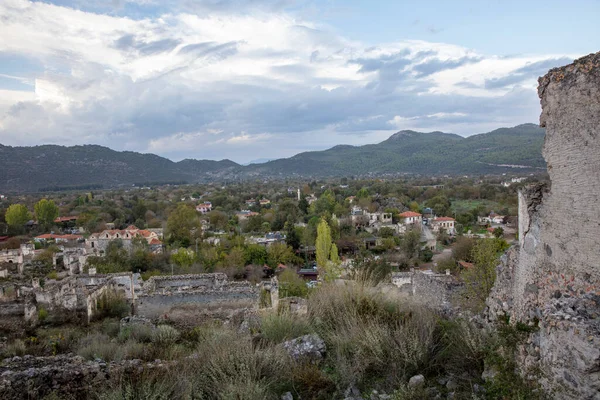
[{"x": 213, "y": 83}]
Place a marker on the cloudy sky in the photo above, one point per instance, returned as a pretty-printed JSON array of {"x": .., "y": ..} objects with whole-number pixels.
[{"x": 251, "y": 79}]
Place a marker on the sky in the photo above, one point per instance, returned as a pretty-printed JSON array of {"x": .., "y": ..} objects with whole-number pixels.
[{"x": 255, "y": 79}]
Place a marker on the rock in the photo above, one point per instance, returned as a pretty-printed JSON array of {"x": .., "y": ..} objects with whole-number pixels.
[
  {"x": 489, "y": 373},
  {"x": 309, "y": 348},
  {"x": 352, "y": 393},
  {"x": 287, "y": 396},
  {"x": 451, "y": 385},
  {"x": 416, "y": 381},
  {"x": 548, "y": 277}
]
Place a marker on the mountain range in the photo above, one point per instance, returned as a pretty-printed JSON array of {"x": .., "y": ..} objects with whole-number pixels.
[{"x": 51, "y": 167}]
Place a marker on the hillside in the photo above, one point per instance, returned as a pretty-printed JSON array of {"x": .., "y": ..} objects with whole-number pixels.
[
  {"x": 57, "y": 167},
  {"x": 421, "y": 153},
  {"x": 52, "y": 167}
]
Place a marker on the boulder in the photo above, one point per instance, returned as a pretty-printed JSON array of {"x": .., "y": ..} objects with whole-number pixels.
[
  {"x": 416, "y": 381},
  {"x": 309, "y": 348}
]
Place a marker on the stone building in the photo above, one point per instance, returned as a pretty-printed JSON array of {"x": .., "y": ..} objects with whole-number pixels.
[{"x": 97, "y": 242}]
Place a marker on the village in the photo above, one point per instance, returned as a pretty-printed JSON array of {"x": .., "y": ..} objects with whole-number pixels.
[{"x": 69, "y": 268}]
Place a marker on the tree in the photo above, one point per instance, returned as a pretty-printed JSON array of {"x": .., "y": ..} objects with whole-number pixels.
[
  {"x": 183, "y": 225},
  {"x": 480, "y": 279},
  {"x": 463, "y": 249},
  {"x": 498, "y": 232},
  {"x": 183, "y": 258},
  {"x": 325, "y": 204},
  {"x": 327, "y": 252},
  {"x": 45, "y": 212},
  {"x": 440, "y": 205},
  {"x": 290, "y": 284},
  {"x": 292, "y": 238},
  {"x": 17, "y": 216},
  {"x": 410, "y": 243},
  {"x": 280, "y": 253},
  {"x": 256, "y": 254},
  {"x": 218, "y": 219}
]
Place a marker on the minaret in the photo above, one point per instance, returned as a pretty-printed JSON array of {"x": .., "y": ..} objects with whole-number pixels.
[{"x": 298, "y": 194}]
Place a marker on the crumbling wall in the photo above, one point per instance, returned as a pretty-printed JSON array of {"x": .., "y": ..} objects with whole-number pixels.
[
  {"x": 203, "y": 295},
  {"x": 552, "y": 279},
  {"x": 434, "y": 290}
]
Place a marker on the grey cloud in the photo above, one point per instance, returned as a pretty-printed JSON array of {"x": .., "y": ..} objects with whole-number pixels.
[
  {"x": 204, "y": 49},
  {"x": 130, "y": 43},
  {"x": 436, "y": 65},
  {"x": 467, "y": 85},
  {"x": 529, "y": 71}
]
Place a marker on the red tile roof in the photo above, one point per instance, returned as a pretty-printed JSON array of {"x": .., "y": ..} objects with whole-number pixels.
[
  {"x": 67, "y": 218},
  {"x": 155, "y": 241},
  {"x": 47, "y": 236},
  {"x": 408, "y": 214},
  {"x": 442, "y": 219},
  {"x": 466, "y": 265}
]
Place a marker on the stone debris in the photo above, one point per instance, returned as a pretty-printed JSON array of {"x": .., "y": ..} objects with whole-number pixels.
[
  {"x": 309, "y": 348},
  {"x": 416, "y": 381}
]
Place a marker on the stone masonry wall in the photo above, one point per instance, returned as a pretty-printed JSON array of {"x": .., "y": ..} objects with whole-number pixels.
[
  {"x": 209, "y": 293},
  {"x": 552, "y": 279}
]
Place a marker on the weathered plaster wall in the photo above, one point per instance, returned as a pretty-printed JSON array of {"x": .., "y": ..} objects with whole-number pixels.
[{"x": 553, "y": 276}]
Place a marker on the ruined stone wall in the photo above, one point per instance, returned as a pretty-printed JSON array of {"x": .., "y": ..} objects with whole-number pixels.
[
  {"x": 552, "y": 279},
  {"x": 434, "y": 290},
  {"x": 206, "y": 294}
]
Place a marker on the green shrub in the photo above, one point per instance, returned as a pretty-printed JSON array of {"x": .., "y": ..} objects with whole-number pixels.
[
  {"x": 112, "y": 305},
  {"x": 165, "y": 335},
  {"x": 110, "y": 327},
  {"x": 227, "y": 366},
  {"x": 291, "y": 285},
  {"x": 42, "y": 314},
  {"x": 139, "y": 332},
  {"x": 16, "y": 348},
  {"x": 100, "y": 346},
  {"x": 277, "y": 328}
]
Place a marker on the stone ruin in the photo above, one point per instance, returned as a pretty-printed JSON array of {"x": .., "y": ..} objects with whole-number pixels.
[
  {"x": 188, "y": 299},
  {"x": 551, "y": 280},
  {"x": 180, "y": 299},
  {"x": 437, "y": 291}
]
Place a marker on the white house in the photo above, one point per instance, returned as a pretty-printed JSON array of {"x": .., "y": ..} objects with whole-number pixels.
[
  {"x": 411, "y": 217},
  {"x": 445, "y": 223},
  {"x": 204, "y": 207}
]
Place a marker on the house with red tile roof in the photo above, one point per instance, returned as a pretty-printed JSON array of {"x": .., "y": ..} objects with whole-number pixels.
[
  {"x": 411, "y": 217},
  {"x": 68, "y": 218},
  {"x": 97, "y": 242},
  {"x": 204, "y": 207},
  {"x": 57, "y": 238},
  {"x": 445, "y": 223}
]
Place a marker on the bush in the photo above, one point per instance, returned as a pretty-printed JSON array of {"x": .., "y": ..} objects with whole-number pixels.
[
  {"x": 165, "y": 335},
  {"x": 16, "y": 348},
  {"x": 42, "y": 314},
  {"x": 139, "y": 332},
  {"x": 372, "y": 338},
  {"x": 277, "y": 328},
  {"x": 112, "y": 305},
  {"x": 227, "y": 366},
  {"x": 291, "y": 285},
  {"x": 98, "y": 345}
]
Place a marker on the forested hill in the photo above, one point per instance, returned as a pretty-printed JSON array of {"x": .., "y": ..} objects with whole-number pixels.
[
  {"x": 52, "y": 167},
  {"x": 413, "y": 152}
]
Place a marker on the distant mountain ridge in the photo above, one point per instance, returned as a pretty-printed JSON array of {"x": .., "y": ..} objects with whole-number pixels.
[{"x": 52, "y": 167}]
